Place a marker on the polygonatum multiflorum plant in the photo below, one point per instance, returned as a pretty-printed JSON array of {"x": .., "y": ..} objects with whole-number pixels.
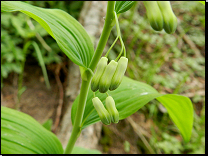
[{"x": 106, "y": 95}]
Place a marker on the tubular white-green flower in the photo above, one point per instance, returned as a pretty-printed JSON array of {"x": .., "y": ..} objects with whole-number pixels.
[
  {"x": 105, "y": 80},
  {"x": 154, "y": 15},
  {"x": 119, "y": 73},
  {"x": 102, "y": 112},
  {"x": 169, "y": 18},
  {"x": 99, "y": 72},
  {"x": 111, "y": 108}
]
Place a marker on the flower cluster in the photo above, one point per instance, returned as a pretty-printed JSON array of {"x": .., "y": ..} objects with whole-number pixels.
[
  {"x": 108, "y": 114},
  {"x": 161, "y": 16},
  {"x": 108, "y": 77}
]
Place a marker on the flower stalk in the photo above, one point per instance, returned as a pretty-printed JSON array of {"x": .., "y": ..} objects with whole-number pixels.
[{"x": 76, "y": 130}]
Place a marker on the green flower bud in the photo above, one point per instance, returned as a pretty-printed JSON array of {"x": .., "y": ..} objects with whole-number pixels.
[
  {"x": 99, "y": 72},
  {"x": 102, "y": 112},
  {"x": 105, "y": 80},
  {"x": 119, "y": 73},
  {"x": 169, "y": 18},
  {"x": 110, "y": 105},
  {"x": 154, "y": 15}
]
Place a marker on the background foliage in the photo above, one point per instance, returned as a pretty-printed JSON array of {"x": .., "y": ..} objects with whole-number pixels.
[
  {"x": 16, "y": 32},
  {"x": 169, "y": 63}
]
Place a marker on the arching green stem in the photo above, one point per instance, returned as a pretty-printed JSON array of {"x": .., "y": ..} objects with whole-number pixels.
[
  {"x": 120, "y": 38},
  {"x": 106, "y": 55},
  {"x": 76, "y": 130}
]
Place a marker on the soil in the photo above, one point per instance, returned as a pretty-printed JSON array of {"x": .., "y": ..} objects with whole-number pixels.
[
  {"x": 114, "y": 137},
  {"x": 36, "y": 100}
]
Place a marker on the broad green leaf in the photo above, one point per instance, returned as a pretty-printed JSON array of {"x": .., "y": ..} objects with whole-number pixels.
[
  {"x": 123, "y": 6},
  {"x": 132, "y": 95},
  {"x": 181, "y": 112},
  {"x": 70, "y": 35},
  {"x": 81, "y": 150},
  {"x": 129, "y": 97},
  {"x": 22, "y": 134}
]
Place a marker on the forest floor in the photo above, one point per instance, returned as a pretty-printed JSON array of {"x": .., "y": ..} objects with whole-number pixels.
[
  {"x": 130, "y": 135},
  {"x": 37, "y": 100}
]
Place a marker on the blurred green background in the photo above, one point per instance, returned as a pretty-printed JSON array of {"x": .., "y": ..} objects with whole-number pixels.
[{"x": 170, "y": 63}]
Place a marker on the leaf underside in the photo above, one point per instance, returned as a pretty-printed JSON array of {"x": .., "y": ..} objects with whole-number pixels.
[{"x": 123, "y": 6}]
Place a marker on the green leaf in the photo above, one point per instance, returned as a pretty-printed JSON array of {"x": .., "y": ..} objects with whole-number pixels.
[
  {"x": 123, "y": 6},
  {"x": 70, "y": 35},
  {"x": 48, "y": 124},
  {"x": 132, "y": 95},
  {"x": 202, "y": 2},
  {"x": 22, "y": 134},
  {"x": 21, "y": 91},
  {"x": 81, "y": 150},
  {"x": 180, "y": 109},
  {"x": 4, "y": 71},
  {"x": 129, "y": 97}
]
